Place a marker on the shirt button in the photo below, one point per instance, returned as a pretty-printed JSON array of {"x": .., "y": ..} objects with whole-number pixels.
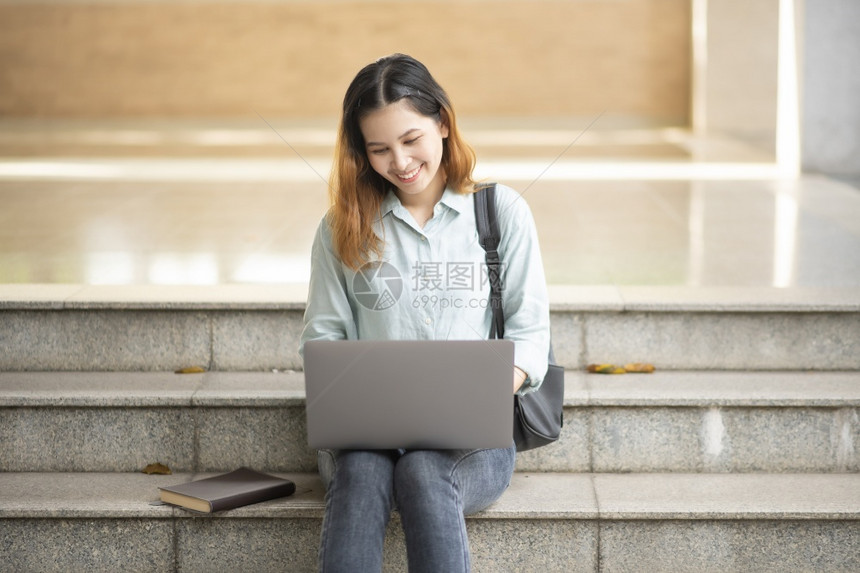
[
  {"x": 423, "y": 238},
  {"x": 428, "y": 321}
]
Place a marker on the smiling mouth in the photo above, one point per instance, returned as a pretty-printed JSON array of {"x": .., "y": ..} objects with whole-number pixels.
[{"x": 410, "y": 176}]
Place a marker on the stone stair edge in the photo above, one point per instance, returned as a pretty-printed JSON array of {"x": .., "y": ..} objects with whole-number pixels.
[
  {"x": 544, "y": 496},
  {"x": 563, "y": 298},
  {"x": 286, "y": 389}
]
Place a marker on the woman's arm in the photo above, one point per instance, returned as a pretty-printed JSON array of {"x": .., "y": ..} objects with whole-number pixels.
[
  {"x": 519, "y": 378},
  {"x": 328, "y": 315}
]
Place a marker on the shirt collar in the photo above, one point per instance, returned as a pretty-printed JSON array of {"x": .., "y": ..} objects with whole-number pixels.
[
  {"x": 459, "y": 202},
  {"x": 389, "y": 202}
]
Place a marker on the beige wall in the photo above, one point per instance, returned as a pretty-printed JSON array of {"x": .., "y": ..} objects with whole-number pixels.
[
  {"x": 295, "y": 58},
  {"x": 741, "y": 84}
]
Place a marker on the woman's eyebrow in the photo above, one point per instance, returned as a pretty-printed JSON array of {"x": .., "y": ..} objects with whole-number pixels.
[{"x": 369, "y": 143}]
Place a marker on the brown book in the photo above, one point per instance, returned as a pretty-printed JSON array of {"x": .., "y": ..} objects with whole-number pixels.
[{"x": 235, "y": 489}]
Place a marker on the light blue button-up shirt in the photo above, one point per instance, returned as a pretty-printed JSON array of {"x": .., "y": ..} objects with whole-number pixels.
[{"x": 431, "y": 283}]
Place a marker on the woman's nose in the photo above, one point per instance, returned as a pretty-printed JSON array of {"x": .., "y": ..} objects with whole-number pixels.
[{"x": 401, "y": 160}]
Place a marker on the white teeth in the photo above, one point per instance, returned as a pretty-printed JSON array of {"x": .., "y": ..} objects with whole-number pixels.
[{"x": 411, "y": 174}]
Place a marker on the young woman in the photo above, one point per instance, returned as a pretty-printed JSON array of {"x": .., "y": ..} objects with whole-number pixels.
[{"x": 401, "y": 196}]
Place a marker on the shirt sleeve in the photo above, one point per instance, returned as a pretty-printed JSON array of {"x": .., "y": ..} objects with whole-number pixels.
[
  {"x": 524, "y": 293},
  {"x": 328, "y": 314}
]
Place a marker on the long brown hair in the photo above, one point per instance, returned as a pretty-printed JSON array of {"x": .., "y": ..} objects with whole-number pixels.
[{"x": 356, "y": 191}]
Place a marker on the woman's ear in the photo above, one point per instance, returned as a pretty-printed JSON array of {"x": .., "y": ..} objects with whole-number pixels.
[{"x": 443, "y": 123}]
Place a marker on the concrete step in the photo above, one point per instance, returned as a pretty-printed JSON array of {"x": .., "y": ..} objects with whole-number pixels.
[
  {"x": 548, "y": 522},
  {"x": 74, "y": 327},
  {"x": 672, "y": 421}
]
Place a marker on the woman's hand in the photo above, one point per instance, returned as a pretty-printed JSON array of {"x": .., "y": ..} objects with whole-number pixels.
[{"x": 519, "y": 379}]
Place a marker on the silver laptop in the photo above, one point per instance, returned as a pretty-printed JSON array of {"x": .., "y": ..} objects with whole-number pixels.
[{"x": 411, "y": 394}]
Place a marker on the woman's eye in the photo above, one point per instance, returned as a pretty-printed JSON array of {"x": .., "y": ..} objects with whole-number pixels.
[
  {"x": 379, "y": 151},
  {"x": 411, "y": 141}
]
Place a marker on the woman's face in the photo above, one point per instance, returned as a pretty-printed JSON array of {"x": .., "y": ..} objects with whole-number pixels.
[{"x": 405, "y": 148}]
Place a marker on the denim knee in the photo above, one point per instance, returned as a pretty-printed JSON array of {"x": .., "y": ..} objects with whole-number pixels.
[
  {"x": 358, "y": 468},
  {"x": 475, "y": 477}
]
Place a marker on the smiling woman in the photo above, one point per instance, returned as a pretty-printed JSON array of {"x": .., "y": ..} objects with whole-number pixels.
[
  {"x": 398, "y": 128},
  {"x": 397, "y": 257}
]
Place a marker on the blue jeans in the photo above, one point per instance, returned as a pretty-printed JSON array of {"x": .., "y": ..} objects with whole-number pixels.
[{"x": 432, "y": 489}]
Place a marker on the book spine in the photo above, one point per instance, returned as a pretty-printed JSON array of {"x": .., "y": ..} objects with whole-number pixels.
[{"x": 280, "y": 490}]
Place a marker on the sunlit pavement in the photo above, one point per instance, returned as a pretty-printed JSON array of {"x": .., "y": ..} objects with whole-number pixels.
[{"x": 237, "y": 204}]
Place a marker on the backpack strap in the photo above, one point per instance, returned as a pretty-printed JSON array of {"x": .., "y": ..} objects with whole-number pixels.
[{"x": 489, "y": 237}]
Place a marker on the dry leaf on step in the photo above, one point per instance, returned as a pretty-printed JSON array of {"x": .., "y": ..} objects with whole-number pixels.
[
  {"x": 605, "y": 369},
  {"x": 191, "y": 370},
  {"x": 159, "y": 469},
  {"x": 640, "y": 368}
]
